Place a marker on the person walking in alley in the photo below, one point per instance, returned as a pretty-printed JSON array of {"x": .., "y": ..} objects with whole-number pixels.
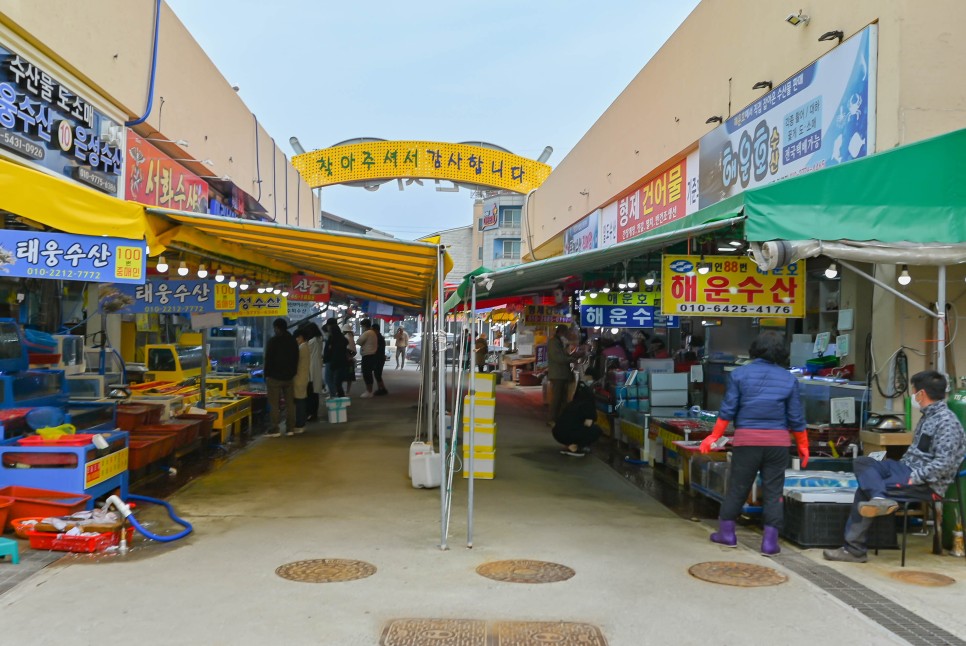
[
  {"x": 334, "y": 358},
  {"x": 352, "y": 350},
  {"x": 369, "y": 348},
  {"x": 402, "y": 341},
  {"x": 930, "y": 464},
  {"x": 762, "y": 400},
  {"x": 281, "y": 364},
  {"x": 559, "y": 372},
  {"x": 300, "y": 383}
]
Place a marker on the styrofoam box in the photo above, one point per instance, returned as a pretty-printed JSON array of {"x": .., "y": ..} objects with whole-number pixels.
[
  {"x": 669, "y": 398},
  {"x": 485, "y": 384},
  {"x": 484, "y": 409},
  {"x": 673, "y": 381},
  {"x": 484, "y": 463},
  {"x": 484, "y": 436},
  {"x": 654, "y": 366},
  {"x": 840, "y": 495}
]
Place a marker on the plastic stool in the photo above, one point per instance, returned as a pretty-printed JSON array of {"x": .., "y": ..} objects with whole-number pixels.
[{"x": 8, "y": 547}]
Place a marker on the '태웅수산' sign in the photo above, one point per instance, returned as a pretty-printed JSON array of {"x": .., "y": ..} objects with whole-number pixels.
[
  {"x": 178, "y": 297},
  {"x": 64, "y": 256}
]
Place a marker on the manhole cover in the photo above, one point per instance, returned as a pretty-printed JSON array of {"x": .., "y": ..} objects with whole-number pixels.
[
  {"x": 916, "y": 577},
  {"x": 326, "y": 570},
  {"x": 560, "y": 633},
  {"x": 435, "y": 632},
  {"x": 521, "y": 571},
  {"x": 744, "y": 575}
]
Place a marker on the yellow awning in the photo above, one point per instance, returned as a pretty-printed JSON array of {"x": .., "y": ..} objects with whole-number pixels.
[
  {"x": 386, "y": 270},
  {"x": 67, "y": 206}
]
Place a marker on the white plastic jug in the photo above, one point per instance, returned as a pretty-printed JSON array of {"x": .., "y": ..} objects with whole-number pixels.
[{"x": 424, "y": 466}]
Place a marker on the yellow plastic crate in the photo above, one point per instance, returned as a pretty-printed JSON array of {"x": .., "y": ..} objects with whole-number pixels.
[
  {"x": 484, "y": 409},
  {"x": 485, "y": 383}
]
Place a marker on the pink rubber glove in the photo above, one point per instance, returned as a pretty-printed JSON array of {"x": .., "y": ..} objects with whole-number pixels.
[{"x": 716, "y": 433}]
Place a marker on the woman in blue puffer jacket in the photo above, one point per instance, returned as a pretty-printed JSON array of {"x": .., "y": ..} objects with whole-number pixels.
[{"x": 762, "y": 400}]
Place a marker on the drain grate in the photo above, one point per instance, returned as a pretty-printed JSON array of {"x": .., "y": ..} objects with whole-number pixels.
[
  {"x": 523, "y": 571},
  {"x": 917, "y": 577},
  {"x": 325, "y": 570},
  {"x": 742, "y": 575},
  {"x": 476, "y": 632},
  {"x": 882, "y": 610}
]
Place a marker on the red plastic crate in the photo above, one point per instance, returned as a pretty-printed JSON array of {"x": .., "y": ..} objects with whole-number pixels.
[
  {"x": 43, "y": 502},
  {"x": 67, "y": 543},
  {"x": 6, "y": 502},
  {"x": 75, "y": 439},
  {"x": 145, "y": 449}
]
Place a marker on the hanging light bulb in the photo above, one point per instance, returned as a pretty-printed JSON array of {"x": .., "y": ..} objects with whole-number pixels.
[
  {"x": 606, "y": 288},
  {"x": 232, "y": 282},
  {"x": 649, "y": 281},
  {"x": 703, "y": 266},
  {"x": 285, "y": 293},
  {"x": 592, "y": 293},
  {"x": 832, "y": 271},
  {"x": 162, "y": 265},
  {"x": 260, "y": 290},
  {"x": 243, "y": 283},
  {"x": 614, "y": 330},
  {"x": 202, "y": 272},
  {"x": 904, "y": 277},
  {"x": 219, "y": 277},
  {"x": 632, "y": 283},
  {"x": 276, "y": 291},
  {"x": 183, "y": 268},
  {"x": 622, "y": 285}
]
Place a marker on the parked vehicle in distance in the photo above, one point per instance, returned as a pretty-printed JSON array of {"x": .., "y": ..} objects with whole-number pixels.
[{"x": 415, "y": 347}]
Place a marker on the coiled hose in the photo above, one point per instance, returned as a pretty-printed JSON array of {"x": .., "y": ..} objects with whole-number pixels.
[{"x": 157, "y": 537}]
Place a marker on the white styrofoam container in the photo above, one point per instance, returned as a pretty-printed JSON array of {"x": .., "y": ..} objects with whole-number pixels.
[
  {"x": 484, "y": 463},
  {"x": 485, "y": 384},
  {"x": 672, "y": 381},
  {"x": 669, "y": 398},
  {"x": 839, "y": 495},
  {"x": 484, "y": 409},
  {"x": 484, "y": 436}
]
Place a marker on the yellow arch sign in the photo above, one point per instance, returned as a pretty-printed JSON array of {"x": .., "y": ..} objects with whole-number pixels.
[{"x": 383, "y": 160}]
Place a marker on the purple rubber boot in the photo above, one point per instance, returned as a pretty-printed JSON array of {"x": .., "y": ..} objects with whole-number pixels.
[
  {"x": 725, "y": 534},
  {"x": 769, "y": 542}
]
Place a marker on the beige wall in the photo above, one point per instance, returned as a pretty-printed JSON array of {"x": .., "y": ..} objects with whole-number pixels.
[
  {"x": 708, "y": 68},
  {"x": 106, "y": 44}
]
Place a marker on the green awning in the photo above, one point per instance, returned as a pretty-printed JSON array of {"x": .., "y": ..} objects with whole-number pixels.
[{"x": 913, "y": 193}]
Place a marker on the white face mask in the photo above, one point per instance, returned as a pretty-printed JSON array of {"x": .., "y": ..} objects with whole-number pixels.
[{"x": 915, "y": 402}]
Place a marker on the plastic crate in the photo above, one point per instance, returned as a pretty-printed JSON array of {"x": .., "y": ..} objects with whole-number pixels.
[
  {"x": 822, "y": 524},
  {"x": 69, "y": 439},
  {"x": 145, "y": 449},
  {"x": 67, "y": 543},
  {"x": 6, "y": 502},
  {"x": 42, "y": 502}
]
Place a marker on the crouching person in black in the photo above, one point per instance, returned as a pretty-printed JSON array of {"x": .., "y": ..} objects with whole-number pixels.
[{"x": 576, "y": 428}]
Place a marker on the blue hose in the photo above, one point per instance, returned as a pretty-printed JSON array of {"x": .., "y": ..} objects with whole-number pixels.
[
  {"x": 164, "y": 539},
  {"x": 154, "y": 69}
]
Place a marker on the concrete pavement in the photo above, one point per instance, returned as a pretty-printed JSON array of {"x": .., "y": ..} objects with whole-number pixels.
[{"x": 341, "y": 491}]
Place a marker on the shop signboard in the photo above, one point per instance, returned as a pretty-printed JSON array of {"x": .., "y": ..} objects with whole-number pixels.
[
  {"x": 261, "y": 305},
  {"x": 154, "y": 178},
  {"x": 64, "y": 256},
  {"x": 45, "y": 122},
  {"x": 624, "y": 310},
  {"x": 583, "y": 235},
  {"x": 298, "y": 310},
  {"x": 822, "y": 116},
  {"x": 659, "y": 201},
  {"x": 545, "y": 315},
  {"x": 734, "y": 286},
  {"x": 608, "y": 226},
  {"x": 491, "y": 217},
  {"x": 177, "y": 297},
  {"x": 314, "y": 289}
]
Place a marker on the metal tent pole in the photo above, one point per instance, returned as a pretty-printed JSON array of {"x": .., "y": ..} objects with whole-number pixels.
[
  {"x": 441, "y": 392},
  {"x": 941, "y": 323},
  {"x": 472, "y": 429}
]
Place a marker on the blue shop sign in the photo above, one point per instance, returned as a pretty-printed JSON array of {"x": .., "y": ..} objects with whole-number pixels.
[
  {"x": 624, "y": 316},
  {"x": 63, "y": 256},
  {"x": 170, "y": 297},
  {"x": 48, "y": 124}
]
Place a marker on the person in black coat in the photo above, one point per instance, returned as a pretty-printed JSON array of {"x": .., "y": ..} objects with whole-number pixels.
[
  {"x": 335, "y": 358},
  {"x": 281, "y": 364},
  {"x": 577, "y": 426}
]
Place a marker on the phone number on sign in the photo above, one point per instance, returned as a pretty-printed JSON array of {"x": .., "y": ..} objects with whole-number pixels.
[
  {"x": 734, "y": 309},
  {"x": 64, "y": 273}
]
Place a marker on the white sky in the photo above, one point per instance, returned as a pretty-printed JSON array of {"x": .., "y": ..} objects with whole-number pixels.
[{"x": 522, "y": 75}]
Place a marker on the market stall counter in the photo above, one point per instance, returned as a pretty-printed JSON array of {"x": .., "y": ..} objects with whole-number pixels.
[{"x": 664, "y": 432}]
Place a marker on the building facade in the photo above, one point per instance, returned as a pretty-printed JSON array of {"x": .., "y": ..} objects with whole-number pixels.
[{"x": 497, "y": 230}]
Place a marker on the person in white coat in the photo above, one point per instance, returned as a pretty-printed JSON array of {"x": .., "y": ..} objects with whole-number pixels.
[{"x": 316, "y": 379}]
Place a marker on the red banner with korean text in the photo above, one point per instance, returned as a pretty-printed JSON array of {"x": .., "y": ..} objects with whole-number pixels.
[
  {"x": 154, "y": 178},
  {"x": 659, "y": 201},
  {"x": 732, "y": 286},
  {"x": 309, "y": 288}
]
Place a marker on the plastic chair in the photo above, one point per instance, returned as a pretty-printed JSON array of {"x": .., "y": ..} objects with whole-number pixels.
[
  {"x": 923, "y": 494},
  {"x": 9, "y": 547}
]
